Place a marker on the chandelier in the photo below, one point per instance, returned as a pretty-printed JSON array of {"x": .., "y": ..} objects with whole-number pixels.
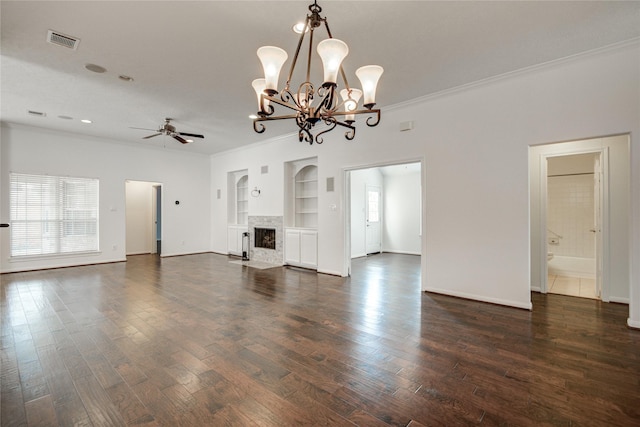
[{"x": 310, "y": 105}]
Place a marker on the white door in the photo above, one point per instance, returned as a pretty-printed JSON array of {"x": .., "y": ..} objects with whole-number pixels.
[
  {"x": 597, "y": 221},
  {"x": 373, "y": 220}
]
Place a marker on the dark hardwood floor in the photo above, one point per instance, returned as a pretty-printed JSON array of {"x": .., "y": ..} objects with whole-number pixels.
[{"x": 197, "y": 340}]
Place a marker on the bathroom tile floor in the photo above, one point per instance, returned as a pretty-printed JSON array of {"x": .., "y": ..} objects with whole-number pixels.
[{"x": 573, "y": 286}]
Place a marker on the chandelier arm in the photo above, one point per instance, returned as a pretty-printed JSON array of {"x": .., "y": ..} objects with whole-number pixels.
[
  {"x": 309, "y": 54},
  {"x": 260, "y": 129},
  {"x": 377, "y": 119},
  {"x": 308, "y": 91},
  {"x": 331, "y": 122},
  {"x": 375, "y": 112},
  {"x": 327, "y": 98},
  {"x": 265, "y": 109},
  {"x": 350, "y": 134},
  {"x": 283, "y": 102},
  {"x": 295, "y": 57},
  {"x": 304, "y": 134},
  {"x": 268, "y": 119}
]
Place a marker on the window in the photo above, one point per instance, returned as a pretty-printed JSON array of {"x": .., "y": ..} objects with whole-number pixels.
[
  {"x": 373, "y": 211},
  {"x": 53, "y": 215}
]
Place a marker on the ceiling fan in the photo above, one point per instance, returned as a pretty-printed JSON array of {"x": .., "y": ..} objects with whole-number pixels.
[{"x": 170, "y": 130}]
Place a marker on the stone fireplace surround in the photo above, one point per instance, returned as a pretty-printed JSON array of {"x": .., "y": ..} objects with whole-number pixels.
[{"x": 270, "y": 256}]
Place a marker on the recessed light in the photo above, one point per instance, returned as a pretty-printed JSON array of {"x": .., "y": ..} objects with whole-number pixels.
[
  {"x": 86, "y": 121},
  {"x": 95, "y": 68},
  {"x": 125, "y": 78},
  {"x": 253, "y": 116},
  {"x": 299, "y": 28},
  {"x": 65, "y": 117}
]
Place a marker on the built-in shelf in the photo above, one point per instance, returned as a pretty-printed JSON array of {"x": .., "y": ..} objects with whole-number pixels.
[
  {"x": 306, "y": 197},
  {"x": 242, "y": 200}
]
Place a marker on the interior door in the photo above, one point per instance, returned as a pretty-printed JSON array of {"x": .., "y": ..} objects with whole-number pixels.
[
  {"x": 373, "y": 220},
  {"x": 597, "y": 221}
]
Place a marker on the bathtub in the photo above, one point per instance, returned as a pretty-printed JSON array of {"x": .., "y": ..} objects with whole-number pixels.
[{"x": 571, "y": 266}]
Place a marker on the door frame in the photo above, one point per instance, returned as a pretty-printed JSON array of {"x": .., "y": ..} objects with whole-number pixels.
[
  {"x": 602, "y": 243},
  {"x": 156, "y": 219},
  {"x": 346, "y": 220}
]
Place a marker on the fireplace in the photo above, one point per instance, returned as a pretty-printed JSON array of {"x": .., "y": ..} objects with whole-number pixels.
[
  {"x": 273, "y": 253},
  {"x": 265, "y": 238}
]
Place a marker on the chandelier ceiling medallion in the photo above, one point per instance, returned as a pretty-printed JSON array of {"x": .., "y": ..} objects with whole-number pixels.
[{"x": 308, "y": 104}]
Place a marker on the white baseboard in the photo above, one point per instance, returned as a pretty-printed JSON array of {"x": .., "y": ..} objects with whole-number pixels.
[
  {"x": 465, "y": 295},
  {"x": 536, "y": 288},
  {"x": 330, "y": 272},
  {"x": 633, "y": 324},
  {"x": 386, "y": 251},
  {"x": 619, "y": 300}
]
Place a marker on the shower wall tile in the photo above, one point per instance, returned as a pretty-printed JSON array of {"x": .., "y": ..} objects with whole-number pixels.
[{"x": 570, "y": 213}]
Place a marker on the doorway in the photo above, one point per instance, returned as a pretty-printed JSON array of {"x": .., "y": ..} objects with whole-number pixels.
[
  {"x": 574, "y": 228},
  {"x": 612, "y": 237},
  {"x": 384, "y": 211},
  {"x": 143, "y": 217}
]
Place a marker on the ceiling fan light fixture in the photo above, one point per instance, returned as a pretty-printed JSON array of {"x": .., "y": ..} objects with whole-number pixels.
[{"x": 310, "y": 104}]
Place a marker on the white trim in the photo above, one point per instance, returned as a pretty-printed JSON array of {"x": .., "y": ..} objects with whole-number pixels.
[
  {"x": 633, "y": 324},
  {"x": 52, "y": 267},
  {"x": 330, "y": 272},
  {"x": 402, "y": 252},
  {"x": 619, "y": 300},
  {"x": 604, "y": 218},
  {"x": 481, "y": 298}
]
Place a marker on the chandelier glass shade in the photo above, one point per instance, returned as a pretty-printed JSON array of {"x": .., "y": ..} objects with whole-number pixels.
[{"x": 310, "y": 105}]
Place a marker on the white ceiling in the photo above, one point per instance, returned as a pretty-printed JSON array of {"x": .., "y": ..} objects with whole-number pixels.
[{"x": 194, "y": 60}]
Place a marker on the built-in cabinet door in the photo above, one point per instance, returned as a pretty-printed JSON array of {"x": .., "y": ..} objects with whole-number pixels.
[
  {"x": 234, "y": 239},
  {"x": 292, "y": 246},
  {"x": 309, "y": 248},
  {"x": 301, "y": 247}
]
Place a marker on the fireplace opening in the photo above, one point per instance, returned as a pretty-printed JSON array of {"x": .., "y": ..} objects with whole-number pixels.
[{"x": 265, "y": 238}]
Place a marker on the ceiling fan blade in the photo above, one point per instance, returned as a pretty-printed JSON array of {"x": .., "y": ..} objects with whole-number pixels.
[
  {"x": 151, "y": 136},
  {"x": 184, "y": 141},
  {"x": 131, "y": 127},
  {"x": 193, "y": 135}
]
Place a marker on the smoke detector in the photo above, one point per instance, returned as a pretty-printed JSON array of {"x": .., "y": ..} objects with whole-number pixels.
[{"x": 64, "y": 40}]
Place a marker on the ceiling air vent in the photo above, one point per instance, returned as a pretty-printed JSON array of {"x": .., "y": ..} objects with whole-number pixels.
[
  {"x": 63, "y": 40},
  {"x": 36, "y": 113}
]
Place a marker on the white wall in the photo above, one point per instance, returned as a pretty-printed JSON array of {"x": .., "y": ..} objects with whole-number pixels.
[
  {"x": 474, "y": 143},
  {"x": 401, "y": 204},
  {"x": 185, "y": 177},
  {"x": 139, "y": 215}
]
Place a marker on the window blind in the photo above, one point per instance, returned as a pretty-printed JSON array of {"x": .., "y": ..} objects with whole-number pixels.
[{"x": 53, "y": 214}]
